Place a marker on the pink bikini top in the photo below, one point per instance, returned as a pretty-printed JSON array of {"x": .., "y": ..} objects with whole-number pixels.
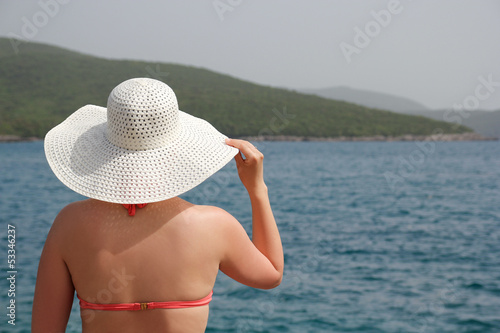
[{"x": 146, "y": 306}]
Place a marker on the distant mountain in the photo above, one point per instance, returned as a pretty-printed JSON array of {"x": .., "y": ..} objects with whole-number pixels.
[
  {"x": 368, "y": 98},
  {"x": 41, "y": 85},
  {"x": 486, "y": 123}
]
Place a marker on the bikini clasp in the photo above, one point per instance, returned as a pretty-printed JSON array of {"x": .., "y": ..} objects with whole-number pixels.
[{"x": 144, "y": 306}]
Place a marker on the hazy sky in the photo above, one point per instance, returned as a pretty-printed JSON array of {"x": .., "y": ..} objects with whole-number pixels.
[{"x": 436, "y": 52}]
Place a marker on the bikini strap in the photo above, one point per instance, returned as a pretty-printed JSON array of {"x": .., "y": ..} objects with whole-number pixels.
[{"x": 132, "y": 207}]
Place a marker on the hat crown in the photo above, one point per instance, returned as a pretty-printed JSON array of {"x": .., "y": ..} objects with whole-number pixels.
[{"x": 142, "y": 114}]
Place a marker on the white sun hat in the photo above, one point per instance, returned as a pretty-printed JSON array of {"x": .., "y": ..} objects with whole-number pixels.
[{"x": 140, "y": 149}]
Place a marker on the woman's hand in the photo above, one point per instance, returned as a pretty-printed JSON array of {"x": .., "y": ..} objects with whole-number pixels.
[{"x": 250, "y": 168}]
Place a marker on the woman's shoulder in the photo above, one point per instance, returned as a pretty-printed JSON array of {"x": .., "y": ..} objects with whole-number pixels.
[
  {"x": 64, "y": 222},
  {"x": 70, "y": 211},
  {"x": 211, "y": 213},
  {"x": 79, "y": 209},
  {"x": 218, "y": 221},
  {"x": 78, "y": 214}
]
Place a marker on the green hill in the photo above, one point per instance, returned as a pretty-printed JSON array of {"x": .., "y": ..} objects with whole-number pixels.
[{"x": 42, "y": 84}]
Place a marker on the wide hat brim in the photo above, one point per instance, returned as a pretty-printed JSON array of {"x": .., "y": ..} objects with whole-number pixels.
[{"x": 83, "y": 159}]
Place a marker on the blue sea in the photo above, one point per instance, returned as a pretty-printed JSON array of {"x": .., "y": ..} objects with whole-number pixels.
[{"x": 378, "y": 236}]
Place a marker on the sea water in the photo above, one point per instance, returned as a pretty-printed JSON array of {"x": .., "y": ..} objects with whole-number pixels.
[{"x": 378, "y": 237}]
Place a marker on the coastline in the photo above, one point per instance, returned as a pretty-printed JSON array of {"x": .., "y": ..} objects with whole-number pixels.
[
  {"x": 17, "y": 138},
  {"x": 470, "y": 136}
]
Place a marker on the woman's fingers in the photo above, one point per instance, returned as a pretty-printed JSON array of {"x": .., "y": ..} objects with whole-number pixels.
[
  {"x": 250, "y": 169},
  {"x": 239, "y": 159},
  {"x": 246, "y": 148}
]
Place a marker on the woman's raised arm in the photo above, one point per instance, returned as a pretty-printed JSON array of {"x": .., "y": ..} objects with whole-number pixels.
[{"x": 265, "y": 234}]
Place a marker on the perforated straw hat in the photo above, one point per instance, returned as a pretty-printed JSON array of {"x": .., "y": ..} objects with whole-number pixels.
[{"x": 140, "y": 149}]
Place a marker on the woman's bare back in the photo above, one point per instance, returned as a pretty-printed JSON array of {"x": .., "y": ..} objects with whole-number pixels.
[{"x": 168, "y": 251}]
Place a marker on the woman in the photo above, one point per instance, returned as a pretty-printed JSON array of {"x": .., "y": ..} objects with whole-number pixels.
[{"x": 140, "y": 258}]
